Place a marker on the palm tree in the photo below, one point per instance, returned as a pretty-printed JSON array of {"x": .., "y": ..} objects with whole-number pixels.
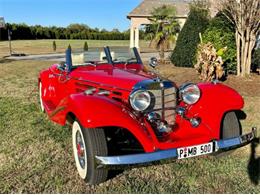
[{"x": 163, "y": 30}]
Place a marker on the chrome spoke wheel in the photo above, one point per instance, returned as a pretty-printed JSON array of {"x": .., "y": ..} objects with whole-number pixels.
[{"x": 79, "y": 149}]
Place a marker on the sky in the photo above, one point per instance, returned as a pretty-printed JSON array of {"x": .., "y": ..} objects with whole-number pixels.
[{"x": 108, "y": 14}]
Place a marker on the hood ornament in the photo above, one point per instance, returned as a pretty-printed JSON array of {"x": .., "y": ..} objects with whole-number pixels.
[{"x": 153, "y": 62}]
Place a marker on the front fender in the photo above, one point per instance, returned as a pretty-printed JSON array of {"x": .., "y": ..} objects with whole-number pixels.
[
  {"x": 95, "y": 111},
  {"x": 215, "y": 101}
]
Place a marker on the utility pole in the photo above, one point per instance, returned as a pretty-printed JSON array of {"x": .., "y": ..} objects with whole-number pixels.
[{"x": 10, "y": 39}]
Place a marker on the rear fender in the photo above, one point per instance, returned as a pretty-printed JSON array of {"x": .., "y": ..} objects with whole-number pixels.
[
  {"x": 95, "y": 111},
  {"x": 215, "y": 101}
]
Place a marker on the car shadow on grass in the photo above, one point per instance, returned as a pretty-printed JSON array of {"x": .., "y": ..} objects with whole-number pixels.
[{"x": 253, "y": 167}]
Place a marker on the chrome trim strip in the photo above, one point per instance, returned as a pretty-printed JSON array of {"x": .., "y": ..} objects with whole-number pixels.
[
  {"x": 148, "y": 158},
  {"x": 236, "y": 142},
  {"x": 137, "y": 158},
  {"x": 101, "y": 84},
  {"x": 162, "y": 96},
  {"x": 163, "y": 104},
  {"x": 223, "y": 144},
  {"x": 151, "y": 84}
]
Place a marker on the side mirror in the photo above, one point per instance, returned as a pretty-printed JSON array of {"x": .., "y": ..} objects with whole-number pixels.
[
  {"x": 61, "y": 66},
  {"x": 153, "y": 62}
]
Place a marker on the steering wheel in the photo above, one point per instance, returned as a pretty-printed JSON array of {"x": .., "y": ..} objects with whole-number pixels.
[
  {"x": 61, "y": 66},
  {"x": 120, "y": 59},
  {"x": 128, "y": 61}
]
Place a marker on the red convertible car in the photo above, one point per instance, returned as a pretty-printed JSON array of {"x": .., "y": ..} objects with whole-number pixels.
[{"x": 124, "y": 115}]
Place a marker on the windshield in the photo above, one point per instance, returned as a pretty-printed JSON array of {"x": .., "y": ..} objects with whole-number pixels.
[
  {"x": 113, "y": 55},
  {"x": 123, "y": 56},
  {"x": 93, "y": 56}
]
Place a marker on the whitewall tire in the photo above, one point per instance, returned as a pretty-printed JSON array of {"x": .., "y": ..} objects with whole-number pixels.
[
  {"x": 40, "y": 97},
  {"x": 88, "y": 143},
  {"x": 79, "y": 150}
]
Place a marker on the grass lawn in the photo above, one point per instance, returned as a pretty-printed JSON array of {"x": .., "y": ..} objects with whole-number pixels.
[
  {"x": 36, "y": 154},
  {"x": 45, "y": 46}
]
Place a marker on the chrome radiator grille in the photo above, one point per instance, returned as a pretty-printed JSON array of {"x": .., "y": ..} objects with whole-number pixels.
[{"x": 165, "y": 103}]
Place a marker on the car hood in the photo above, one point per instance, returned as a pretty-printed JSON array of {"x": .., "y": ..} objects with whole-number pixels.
[{"x": 115, "y": 77}]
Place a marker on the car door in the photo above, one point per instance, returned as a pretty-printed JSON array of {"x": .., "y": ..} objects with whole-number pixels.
[{"x": 58, "y": 80}]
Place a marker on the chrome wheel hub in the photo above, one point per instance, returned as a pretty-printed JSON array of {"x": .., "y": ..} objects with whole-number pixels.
[{"x": 80, "y": 150}]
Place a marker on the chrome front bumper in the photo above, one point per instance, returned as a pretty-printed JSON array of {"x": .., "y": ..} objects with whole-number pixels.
[{"x": 117, "y": 162}]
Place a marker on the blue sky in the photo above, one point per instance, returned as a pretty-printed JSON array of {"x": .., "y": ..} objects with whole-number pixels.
[{"x": 106, "y": 14}]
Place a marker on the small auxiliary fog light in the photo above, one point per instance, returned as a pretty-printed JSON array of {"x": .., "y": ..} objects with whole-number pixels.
[
  {"x": 195, "y": 122},
  {"x": 181, "y": 111},
  {"x": 153, "y": 117},
  {"x": 163, "y": 127}
]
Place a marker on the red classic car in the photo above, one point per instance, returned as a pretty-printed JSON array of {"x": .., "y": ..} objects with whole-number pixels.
[{"x": 124, "y": 115}]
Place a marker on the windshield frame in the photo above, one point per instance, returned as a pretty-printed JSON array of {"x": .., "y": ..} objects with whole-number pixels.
[
  {"x": 111, "y": 61},
  {"x": 108, "y": 55}
]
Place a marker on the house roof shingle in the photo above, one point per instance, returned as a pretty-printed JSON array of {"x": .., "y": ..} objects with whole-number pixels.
[{"x": 147, "y": 6}]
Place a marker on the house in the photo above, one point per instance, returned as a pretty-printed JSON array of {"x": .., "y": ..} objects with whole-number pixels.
[{"x": 141, "y": 14}]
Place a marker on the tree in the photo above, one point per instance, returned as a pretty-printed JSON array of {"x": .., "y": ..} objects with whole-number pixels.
[
  {"x": 221, "y": 33},
  {"x": 184, "y": 54},
  {"x": 165, "y": 27},
  {"x": 115, "y": 30},
  {"x": 245, "y": 15},
  {"x": 54, "y": 47},
  {"x": 73, "y": 31},
  {"x": 256, "y": 60},
  {"x": 75, "y": 28},
  {"x": 85, "y": 48}
]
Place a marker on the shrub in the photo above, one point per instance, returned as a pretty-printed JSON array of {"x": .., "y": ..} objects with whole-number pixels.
[
  {"x": 69, "y": 47},
  {"x": 185, "y": 51},
  {"x": 221, "y": 33},
  {"x": 256, "y": 60},
  {"x": 209, "y": 62},
  {"x": 85, "y": 48},
  {"x": 54, "y": 47}
]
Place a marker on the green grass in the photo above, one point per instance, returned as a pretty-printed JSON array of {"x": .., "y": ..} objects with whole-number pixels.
[
  {"x": 45, "y": 46},
  {"x": 36, "y": 155}
]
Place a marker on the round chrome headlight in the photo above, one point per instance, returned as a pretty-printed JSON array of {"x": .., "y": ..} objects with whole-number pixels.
[
  {"x": 140, "y": 100},
  {"x": 190, "y": 93}
]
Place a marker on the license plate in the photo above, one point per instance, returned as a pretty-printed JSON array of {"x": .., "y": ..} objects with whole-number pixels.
[{"x": 191, "y": 151}]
